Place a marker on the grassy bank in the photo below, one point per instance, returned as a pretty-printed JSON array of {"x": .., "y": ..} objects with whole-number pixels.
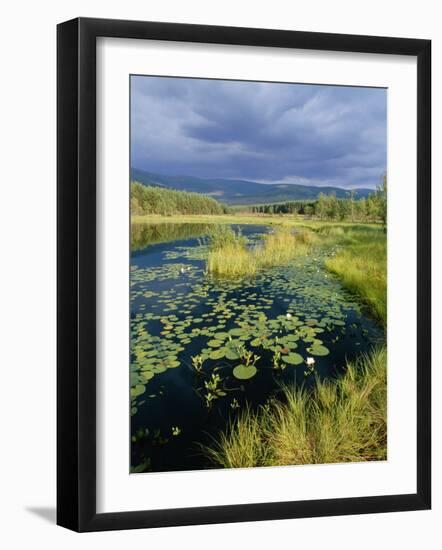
[
  {"x": 343, "y": 420},
  {"x": 245, "y": 219},
  {"x": 361, "y": 265}
]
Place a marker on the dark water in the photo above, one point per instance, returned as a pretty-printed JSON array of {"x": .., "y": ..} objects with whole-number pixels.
[{"x": 178, "y": 312}]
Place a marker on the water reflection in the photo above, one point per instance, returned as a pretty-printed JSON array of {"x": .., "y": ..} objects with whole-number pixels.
[{"x": 142, "y": 234}]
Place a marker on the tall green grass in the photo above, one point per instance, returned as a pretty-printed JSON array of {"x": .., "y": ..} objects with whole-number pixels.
[
  {"x": 229, "y": 255},
  {"x": 343, "y": 420},
  {"x": 231, "y": 261},
  {"x": 361, "y": 265}
]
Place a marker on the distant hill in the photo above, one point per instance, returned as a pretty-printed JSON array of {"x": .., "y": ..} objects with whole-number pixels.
[{"x": 242, "y": 192}]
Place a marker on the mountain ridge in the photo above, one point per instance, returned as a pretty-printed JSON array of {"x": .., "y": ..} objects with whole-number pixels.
[{"x": 242, "y": 192}]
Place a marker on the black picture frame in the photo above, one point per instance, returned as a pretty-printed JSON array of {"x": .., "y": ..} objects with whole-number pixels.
[{"x": 76, "y": 274}]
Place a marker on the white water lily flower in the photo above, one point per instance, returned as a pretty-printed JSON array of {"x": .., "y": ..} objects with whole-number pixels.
[
  {"x": 289, "y": 315},
  {"x": 310, "y": 361}
]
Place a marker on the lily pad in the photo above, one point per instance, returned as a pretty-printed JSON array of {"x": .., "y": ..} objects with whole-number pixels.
[
  {"x": 139, "y": 389},
  {"x": 214, "y": 343},
  {"x": 293, "y": 359},
  {"x": 159, "y": 369},
  {"x": 217, "y": 354},
  {"x": 231, "y": 354},
  {"x": 237, "y": 332},
  {"x": 318, "y": 350},
  {"x": 244, "y": 373}
]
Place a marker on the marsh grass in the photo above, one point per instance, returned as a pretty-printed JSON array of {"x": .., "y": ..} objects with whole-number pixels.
[
  {"x": 361, "y": 265},
  {"x": 229, "y": 255},
  {"x": 221, "y": 236},
  {"x": 231, "y": 261},
  {"x": 332, "y": 231},
  {"x": 342, "y": 420},
  {"x": 284, "y": 245},
  {"x": 247, "y": 219}
]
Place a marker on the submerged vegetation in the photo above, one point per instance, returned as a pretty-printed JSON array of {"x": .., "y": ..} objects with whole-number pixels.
[{"x": 343, "y": 420}]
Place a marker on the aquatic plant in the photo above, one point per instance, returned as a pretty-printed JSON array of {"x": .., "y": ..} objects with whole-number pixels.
[
  {"x": 343, "y": 420},
  {"x": 276, "y": 361},
  {"x": 197, "y": 363},
  {"x": 310, "y": 362},
  {"x": 234, "y": 404},
  {"x": 213, "y": 389},
  {"x": 247, "y": 368}
]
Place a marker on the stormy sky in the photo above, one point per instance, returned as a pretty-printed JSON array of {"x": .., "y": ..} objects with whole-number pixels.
[{"x": 267, "y": 132}]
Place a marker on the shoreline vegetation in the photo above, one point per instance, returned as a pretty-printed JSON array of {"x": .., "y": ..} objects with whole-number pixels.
[
  {"x": 361, "y": 266},
  {"x": 338, "y": 420},
  {"x": 343, "y": 420},
  {"x": 248, "y": 219}
]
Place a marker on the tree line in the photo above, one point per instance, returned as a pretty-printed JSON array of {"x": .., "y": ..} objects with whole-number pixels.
[
  {"x": 164, "y": 201},
  {"x": 291, "y": 207},
  {"x": 158, "y": 200},
  {"x": 329, "y": 207}
]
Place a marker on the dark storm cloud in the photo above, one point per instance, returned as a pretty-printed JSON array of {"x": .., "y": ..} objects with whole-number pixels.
[{"x": 259, "y": 131}]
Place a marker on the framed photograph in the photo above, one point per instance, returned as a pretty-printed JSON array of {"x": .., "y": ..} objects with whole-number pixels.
[{"x": 243, "y": 274}]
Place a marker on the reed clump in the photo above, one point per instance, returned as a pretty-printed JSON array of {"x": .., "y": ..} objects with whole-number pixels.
[
  {"x": 230, "y": 256},
  {"x": 231, "y": 261}
]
